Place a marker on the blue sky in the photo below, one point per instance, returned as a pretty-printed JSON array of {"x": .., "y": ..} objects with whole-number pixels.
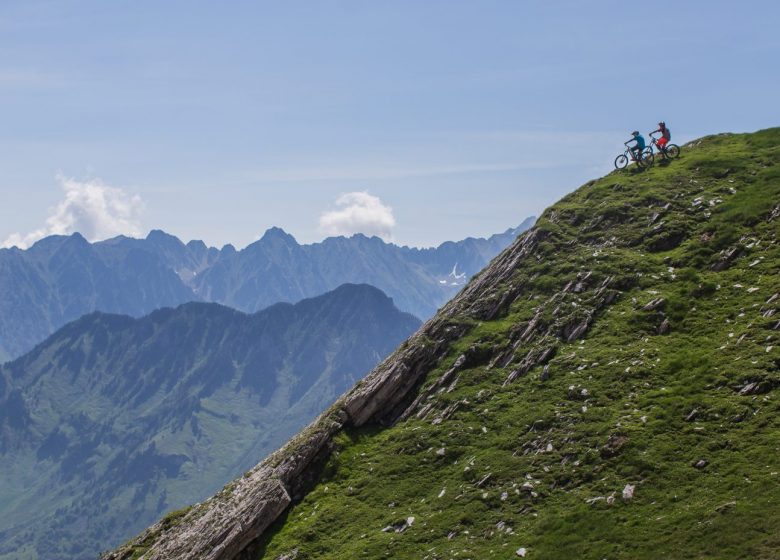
[{"x": 217, "y": 120}]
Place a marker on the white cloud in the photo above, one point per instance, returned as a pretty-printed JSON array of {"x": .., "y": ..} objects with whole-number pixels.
[
  {"x": 359, "y": 212},
  {"x": 95, "y": 210}
]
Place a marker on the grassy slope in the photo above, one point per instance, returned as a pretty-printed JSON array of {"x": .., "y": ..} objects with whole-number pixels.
[{"x": 641, "y": 389}]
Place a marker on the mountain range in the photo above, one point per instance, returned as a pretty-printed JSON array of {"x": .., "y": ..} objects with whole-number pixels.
[
  {"x": 114, "y": 420},
  {"x": 606, "y": 388},
  {"x": 61, "y": 278}
]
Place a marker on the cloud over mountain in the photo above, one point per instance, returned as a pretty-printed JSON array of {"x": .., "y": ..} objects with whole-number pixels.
[
  {"x": 359, "y": 212},
  {"x": 95, "y": 210}
]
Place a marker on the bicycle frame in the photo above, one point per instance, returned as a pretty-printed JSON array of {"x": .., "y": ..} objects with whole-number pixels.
[
  {"x": 654, "y": 143},
  {"x": 629, "y": 153},
  {"x": 668, "y": 151},
  {"x": 645, "y": 157}
]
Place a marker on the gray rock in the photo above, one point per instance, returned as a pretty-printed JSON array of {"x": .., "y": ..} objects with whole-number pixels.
[
  {"x": 655, "y": 304},
  {"x": 399, "y": 527},
  {"x": 727, "y": 256},
  {"x": 483, "y": 480},
  {"x": 614, "y": 445},
  {"x": 756, "y": 388},
  {"x": 723, "y": 508}
]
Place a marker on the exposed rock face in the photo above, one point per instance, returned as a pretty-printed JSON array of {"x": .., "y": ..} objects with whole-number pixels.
[{"x": 256, "y": 510}]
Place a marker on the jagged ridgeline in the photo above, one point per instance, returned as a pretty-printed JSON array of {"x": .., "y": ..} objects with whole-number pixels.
[{"x": 605, "y": 388}]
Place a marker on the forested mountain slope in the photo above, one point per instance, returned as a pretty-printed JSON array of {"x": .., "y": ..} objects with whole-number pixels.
[{"x": 113, "y": 421}]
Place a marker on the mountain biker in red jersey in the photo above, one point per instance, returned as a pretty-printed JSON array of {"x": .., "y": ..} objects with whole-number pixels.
[{"x": 665, "y": 135}]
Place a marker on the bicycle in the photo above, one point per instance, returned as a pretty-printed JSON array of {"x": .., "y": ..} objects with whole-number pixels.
[
  {"x": 670, "y": 151},
  {"x": 645, "y": 160}
]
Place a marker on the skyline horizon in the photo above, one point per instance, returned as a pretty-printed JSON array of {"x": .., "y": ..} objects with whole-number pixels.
[{"x": 145, "y": 236}]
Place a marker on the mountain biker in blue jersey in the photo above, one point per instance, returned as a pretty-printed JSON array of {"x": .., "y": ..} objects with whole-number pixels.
[{"x": 636, "y": 150}]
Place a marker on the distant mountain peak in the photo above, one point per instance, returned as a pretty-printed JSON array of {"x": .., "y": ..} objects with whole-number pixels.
[
  {"x": 54, "y": 242},
  {"x": 275, "y": 234},
  {"x": 370, "y": 238},
  {"x": 197, "y": 244},
  {"x": 159, "y": 236}
]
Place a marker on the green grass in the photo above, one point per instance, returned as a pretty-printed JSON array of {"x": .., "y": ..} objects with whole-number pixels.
[{"x": 641, "y": 387}]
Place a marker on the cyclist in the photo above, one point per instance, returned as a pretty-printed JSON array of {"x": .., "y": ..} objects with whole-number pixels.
[
  {"x": 665, "y": 136},
  {"x": 636, "y": 150}
]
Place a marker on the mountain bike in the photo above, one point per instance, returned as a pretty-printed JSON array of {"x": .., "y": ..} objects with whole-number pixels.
[
  {"x": 670, "y": 151},
  {"x": 645, "y": 160}
]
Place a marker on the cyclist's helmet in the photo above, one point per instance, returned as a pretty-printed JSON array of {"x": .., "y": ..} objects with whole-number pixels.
[
  {"x": 662, "y": 124},
  {"x": 635, "y": 133}
]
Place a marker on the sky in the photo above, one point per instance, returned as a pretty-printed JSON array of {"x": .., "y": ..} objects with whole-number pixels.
[{"x": 418, "y": 121}]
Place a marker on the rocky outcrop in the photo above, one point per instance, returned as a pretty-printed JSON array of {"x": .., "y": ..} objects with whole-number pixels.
[
  {"x": 727, "y": 256},
  {"x": 222, "y": 527}
]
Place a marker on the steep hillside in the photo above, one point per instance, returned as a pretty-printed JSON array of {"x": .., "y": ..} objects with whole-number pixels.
[
  {"x": 59, "y": 279},
  {"x": 113, "y": 421},
  {"x": 606, "y": 388}
]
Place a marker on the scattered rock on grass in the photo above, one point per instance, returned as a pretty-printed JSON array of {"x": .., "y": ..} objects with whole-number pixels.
[
  {"x": 756, "y": 388},
  {"x": 399, "y": 527},
  {"x": 725, "y": 507},
  {"x": 613, "y": 446},
  {"x": 652, "y": 305}
]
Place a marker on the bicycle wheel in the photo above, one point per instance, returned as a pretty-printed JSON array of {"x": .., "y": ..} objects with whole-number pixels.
[
  {"x": 672, "y": 151},
  {"x": 646, "y": 159},
  {"x": 621, "y": 161}
]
